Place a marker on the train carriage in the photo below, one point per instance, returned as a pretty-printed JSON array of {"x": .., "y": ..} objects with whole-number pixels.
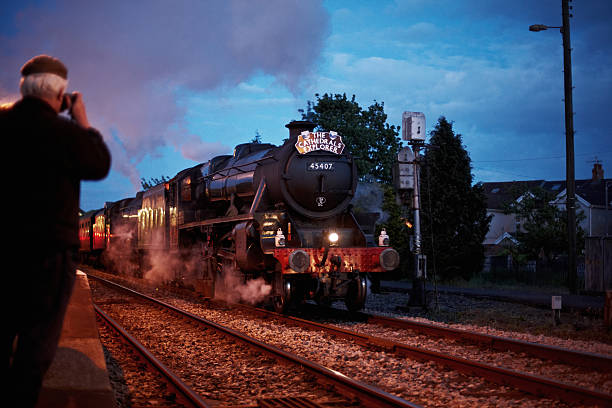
[{"x": 85, "y": 232}]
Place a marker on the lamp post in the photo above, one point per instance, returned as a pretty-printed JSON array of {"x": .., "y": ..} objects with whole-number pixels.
[
  {"x": 569, "y": 143},
  {"x": 608, "y": 184}
]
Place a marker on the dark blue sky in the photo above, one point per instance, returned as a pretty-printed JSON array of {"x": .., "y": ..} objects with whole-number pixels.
[{"x": 173, "y": 86}]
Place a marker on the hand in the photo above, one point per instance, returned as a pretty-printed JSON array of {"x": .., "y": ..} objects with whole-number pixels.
[
  {"x": 66, "y": 102},
  {"x": 77, "y": 110}
]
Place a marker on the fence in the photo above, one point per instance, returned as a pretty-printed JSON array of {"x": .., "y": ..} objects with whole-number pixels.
[
  {"x": 594, "y": 269},
  {"x": 538, "y": 273},
  {"x": 598, "y": 264}
]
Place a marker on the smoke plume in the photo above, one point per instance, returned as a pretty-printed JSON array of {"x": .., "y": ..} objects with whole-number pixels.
[{"x": 133, "y": 60}]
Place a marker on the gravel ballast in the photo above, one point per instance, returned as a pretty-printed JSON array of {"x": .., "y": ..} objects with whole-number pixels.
[{"x": 423, "y": 383}]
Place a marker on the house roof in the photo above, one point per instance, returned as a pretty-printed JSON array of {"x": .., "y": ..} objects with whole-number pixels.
[
  {"x": 592, "y": 191},
  {"x": 595, "y": 191},
  {"x": 503, "y": 192},
  {"x": 506, "y": 236}
]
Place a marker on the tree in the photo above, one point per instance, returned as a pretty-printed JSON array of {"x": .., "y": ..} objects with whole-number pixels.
[
  {"x": 454, "y": 215},
  {"x": 257, "y": 138},
  {"x": 398, "y": 226},
  {"x": 543, "y": 225},
  {"x": 152, "y": 182},
  {"x": 373, "y": 143}
]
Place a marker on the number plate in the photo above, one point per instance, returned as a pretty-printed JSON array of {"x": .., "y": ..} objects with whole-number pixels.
[{"x": 320, "y": 166}]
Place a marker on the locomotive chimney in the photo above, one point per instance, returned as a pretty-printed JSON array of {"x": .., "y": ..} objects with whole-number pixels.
[
  {"x": 298, "y": 126},
  {"x": 598, "y": 173}
]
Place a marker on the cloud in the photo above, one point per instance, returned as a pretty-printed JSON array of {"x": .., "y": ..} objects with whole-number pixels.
[
  {"x": 132, "y": 62},
  {"x": 194, "y": 149},
  {"x": 500, "y": 105}
]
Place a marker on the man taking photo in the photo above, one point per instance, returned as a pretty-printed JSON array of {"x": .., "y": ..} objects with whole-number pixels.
[{"x": 46, "y": 157}]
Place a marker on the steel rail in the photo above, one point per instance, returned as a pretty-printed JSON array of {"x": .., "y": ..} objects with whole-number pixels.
[
  {"x": 368, "y": 395},
  {"x": 188, "y": 394},
  {"x": 525, "y": 382},
  {"x": 557, "y": 354},
  {"x": 553, "y": 353}
]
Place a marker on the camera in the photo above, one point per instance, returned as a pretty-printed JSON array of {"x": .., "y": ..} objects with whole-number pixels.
[{"x": 68, "y": 100}]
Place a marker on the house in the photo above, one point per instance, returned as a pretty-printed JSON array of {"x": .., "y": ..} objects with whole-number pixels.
[{"x": 591, "y": 198}]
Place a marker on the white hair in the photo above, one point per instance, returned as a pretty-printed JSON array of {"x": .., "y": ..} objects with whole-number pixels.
[{"x": 44, "y": 85}]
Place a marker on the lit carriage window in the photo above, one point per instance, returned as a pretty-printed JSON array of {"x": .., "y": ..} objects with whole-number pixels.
[
  {"x": 98, "y": 227},
  {"x": 186, "y": 189}
]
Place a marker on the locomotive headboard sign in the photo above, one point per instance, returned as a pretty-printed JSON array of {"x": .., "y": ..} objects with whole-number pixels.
[{"x": 310, "y": 141}]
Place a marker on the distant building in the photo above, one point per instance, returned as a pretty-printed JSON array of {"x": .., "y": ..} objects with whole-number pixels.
[{"x": 591, "y": 196}]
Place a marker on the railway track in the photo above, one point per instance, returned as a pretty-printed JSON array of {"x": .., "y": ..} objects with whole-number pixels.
[
  {"x": 542, "y": 351},
  {"x": 174, "y": 392},
  {"x": 345, "y": 391},
  {"x": 533, "y": 384}
]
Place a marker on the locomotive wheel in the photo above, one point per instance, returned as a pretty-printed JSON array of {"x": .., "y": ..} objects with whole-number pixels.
[
  {"x": 282, "y": 293},
  {"x": 356, "y": 295}
]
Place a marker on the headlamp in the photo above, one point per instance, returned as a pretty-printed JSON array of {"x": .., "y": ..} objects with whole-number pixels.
[
  {"x": 279, "y": 239},
  {"x": 383, "y": 238}
]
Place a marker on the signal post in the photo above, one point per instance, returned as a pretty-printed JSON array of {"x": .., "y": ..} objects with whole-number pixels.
[{"x": 408, "y": 181}]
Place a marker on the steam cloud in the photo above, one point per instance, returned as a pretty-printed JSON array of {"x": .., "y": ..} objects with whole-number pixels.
[
  {"x": 165, "y": 267},
  {"x": 119, "y": 256},
  {"x": 133, "y": 60},
  {"x": 232, "y": 288}
]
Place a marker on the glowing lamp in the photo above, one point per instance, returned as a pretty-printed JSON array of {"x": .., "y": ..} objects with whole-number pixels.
[{"x": 333, "y": 238}]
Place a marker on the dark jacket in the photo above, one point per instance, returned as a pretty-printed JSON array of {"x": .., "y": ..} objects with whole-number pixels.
[{"x": 49, "y": 155}]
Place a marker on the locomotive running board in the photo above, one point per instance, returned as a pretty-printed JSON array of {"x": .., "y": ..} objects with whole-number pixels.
[{"x": 242, "y": 217}]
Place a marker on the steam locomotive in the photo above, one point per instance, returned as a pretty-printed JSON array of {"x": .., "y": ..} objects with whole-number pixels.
[{"x": 277, "y": 215}]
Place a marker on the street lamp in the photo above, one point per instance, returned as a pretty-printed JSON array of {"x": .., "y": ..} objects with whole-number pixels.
[
  {"x": 541, "y": 27},
  {"x": 569, "y": 142}
]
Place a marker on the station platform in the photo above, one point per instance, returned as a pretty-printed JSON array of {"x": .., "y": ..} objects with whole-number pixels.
[{"x": 78, "y": 376}]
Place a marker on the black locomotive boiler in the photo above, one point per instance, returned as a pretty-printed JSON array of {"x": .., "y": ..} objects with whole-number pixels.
[{"x": 277, "y": 214}]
